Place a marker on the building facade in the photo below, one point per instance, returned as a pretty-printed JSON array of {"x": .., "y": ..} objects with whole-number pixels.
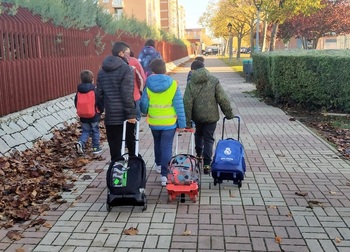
[
  {"x": 143, "y": 10},
  {"x": 166, "y": 15}
]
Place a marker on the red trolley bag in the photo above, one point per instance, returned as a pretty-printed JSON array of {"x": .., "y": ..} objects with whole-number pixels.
[
  {"x": 183, "y": 173},
  {"x": 126, "y": 177},
  {"x": 228, "y": 162}
]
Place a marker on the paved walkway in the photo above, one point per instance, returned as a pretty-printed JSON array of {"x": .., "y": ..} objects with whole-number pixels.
[{"x": 283, "y": 157}]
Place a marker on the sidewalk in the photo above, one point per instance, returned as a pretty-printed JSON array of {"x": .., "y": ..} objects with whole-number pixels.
[{"x": 283, "y": 157}]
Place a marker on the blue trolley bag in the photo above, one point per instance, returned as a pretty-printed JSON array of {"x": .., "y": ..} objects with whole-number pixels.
[
  {"x": 228, "y": 162},
  {"x": 126, "y": 177}
]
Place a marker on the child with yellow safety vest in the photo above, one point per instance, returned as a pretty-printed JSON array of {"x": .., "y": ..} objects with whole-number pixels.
[{"x": 163, "y": 104}]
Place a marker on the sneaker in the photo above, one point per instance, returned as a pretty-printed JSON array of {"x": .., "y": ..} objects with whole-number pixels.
[
  {"x": 163, "y": 180},
  {"x": 79, "y": 148},
  {"x": 206, "y": 169},
  {"x": 199, "y": 158},
  {"x": 96, "y": 150},
  {"x": 158, "y": 168}
]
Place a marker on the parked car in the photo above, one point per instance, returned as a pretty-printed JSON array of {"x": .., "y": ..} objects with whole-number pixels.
[
  {"x": 211, "y": 50},
  {"x": 245, "y": 50}
]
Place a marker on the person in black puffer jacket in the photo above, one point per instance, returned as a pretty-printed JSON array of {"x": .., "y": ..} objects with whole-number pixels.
[{"x": 115, "y": 89}]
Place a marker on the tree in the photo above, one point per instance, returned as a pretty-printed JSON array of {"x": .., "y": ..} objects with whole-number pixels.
[
  {"x": 239, "y": 13},
  {"x": 332, "y": 19},
  {"x": 278, "y": 11}
]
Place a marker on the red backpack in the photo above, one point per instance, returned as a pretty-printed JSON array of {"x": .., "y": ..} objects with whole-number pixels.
[{"x": 86, "y": 104}]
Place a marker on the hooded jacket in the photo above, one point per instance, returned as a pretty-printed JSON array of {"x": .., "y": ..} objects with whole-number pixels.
[
  {"x": 147, "y": 54},
  {"x": 85, "y": 88},
  {"x": 115, "y": 89},
  {"x": 202, "y": 97},
  {"x": 159, "y": 83}
]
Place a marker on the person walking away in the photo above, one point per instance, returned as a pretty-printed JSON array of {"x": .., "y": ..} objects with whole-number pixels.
[
  {"x": 163, "y": 104},
  {"x": 202, "y": 96},
  {"x": 147, "y": 54},
  {"x": 89, "y": 110},
  {"x": 115, "y": 89},
  {"x": 139, "y": 81},
  {"x": 199, "y": 58}
]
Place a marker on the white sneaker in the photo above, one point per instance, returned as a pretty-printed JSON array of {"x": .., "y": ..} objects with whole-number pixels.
[
  {"x": 163, "y": 180},
  {"x": 158, "y": 168}
]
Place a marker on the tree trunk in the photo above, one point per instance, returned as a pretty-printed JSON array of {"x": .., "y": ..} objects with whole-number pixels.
[
  {"x": 239, "y": 42},
  {"x": 251, "y": 40},
  {"x": 274, "y": 35},
  {"x": 263, "y": 49}
]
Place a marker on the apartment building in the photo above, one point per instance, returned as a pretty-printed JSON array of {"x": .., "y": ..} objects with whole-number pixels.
[
  {"x": 166, "y": 15},
  {"x": 143, "y": 10},
  {"x": 172, "y": 16}
]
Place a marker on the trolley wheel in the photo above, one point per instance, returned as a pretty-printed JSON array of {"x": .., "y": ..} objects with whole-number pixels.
[
  {"x": 108, "y": 207},
  {"x": 239, "y": 183},
  {"x": 182, "y": 198}
]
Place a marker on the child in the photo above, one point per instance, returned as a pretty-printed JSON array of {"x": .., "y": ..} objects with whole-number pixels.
[
  {"x": 163, "y": 104},
  {"x": 199, "y": 58},
  {"x": 202, "y": 96},
  {"x": 89, "y": 123}
]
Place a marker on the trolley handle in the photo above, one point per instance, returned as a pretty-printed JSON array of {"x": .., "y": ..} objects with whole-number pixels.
[
  {"x": 238, "y": 129},
  {"x": 137, "y": 134}
]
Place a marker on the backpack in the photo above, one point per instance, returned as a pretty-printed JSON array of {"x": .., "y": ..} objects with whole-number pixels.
[
  {"x": 86, "y": 104},
  {"x": 146, "y": 61},
  {"x": 183, "y": 169}
]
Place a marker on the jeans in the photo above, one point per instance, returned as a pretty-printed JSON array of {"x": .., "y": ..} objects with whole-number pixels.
[
  {"x": 204, "y": 141},
  {"x": 163, "y": 148},
  {"x": 94, "y": 130},
  {"x": 138, "y": 110},
  {"x": 114, "y": 137}
]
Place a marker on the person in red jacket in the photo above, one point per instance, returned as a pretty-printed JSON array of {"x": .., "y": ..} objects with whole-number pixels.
[{"x": 139, "y": 81}]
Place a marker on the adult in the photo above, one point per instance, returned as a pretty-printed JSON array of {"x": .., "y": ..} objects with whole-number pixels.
[
  {"x": 147, "y": 54},
  {"x": 115, "y": 89}
]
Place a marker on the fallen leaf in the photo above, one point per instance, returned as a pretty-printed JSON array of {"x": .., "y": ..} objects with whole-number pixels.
[
  {"x": 332, "y": 192},
  {"x": 232, "y": 196},
  {"x": 278, "y": 239},
  {"x": 131, "y": 231},
  {"x": 86, "y": 177},
  {"x": 289, "y": 215},
  {"x": 47, "y": 225},
  {"x": 187, "y": 232},
  {"x": 273, "y": 206},
  {"x": 14, "y": 235},
  {"x": 301, "y": 193},
  {"x": 280, "y": 155},
  {"x": 20, "y": 250},
  {"x": 292, "y": 119},
  {"x": 348, "y": 183},
  {"x": 337, "y": 240}
]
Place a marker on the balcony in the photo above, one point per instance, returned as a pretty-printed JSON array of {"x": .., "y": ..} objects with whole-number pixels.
[{"x": 118, "y": 3}]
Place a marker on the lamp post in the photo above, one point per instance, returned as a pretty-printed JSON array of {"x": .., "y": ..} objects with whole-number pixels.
[
  {"x": 257, "y": 4},
  {"x": 229, "y": 27}
]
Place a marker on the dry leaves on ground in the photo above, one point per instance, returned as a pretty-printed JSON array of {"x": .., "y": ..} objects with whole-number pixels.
[
  {"x": 35, "y": 177},
  {"x": 131, "y": 231}
]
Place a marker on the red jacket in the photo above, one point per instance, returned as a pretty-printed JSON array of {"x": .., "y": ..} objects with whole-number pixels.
[{"x": 139, "y": 77}]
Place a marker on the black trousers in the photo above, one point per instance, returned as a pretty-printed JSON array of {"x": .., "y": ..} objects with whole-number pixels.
[
  {"x": 114, "y": 138},
  {"x": 204, "y": 139}
]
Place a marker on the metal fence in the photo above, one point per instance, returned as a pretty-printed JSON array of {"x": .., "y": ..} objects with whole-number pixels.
[{"x": 40, "y": 62}]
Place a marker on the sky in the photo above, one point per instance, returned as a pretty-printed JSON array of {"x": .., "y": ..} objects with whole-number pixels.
[{"x": 194, "y": 9}]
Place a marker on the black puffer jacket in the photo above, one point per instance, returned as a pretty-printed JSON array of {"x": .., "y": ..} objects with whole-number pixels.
[{"x": 115, "y": 89}]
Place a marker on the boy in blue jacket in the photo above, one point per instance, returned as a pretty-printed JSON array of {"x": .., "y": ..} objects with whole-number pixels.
[{"x": 163, "y": 104}]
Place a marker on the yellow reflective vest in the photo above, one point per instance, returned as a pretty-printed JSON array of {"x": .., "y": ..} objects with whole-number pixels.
[{"x": 161, "y": 111}]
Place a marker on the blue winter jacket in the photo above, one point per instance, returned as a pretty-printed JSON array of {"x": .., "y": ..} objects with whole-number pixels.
[{"x": 158, "y": 83}]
